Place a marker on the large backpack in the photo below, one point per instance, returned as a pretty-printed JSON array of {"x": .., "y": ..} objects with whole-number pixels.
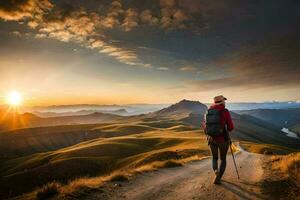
[{"x": 213, "y": 122}]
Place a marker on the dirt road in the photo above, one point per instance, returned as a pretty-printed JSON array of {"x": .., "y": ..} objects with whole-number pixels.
[{"x": 194, "y": 181}]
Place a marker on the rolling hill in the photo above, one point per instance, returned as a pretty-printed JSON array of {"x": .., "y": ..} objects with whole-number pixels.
[
  {"x": 80, "y": 112},
  {"x": 140, "y": 147},
  {"x": 247, "y": 127},
  {"x": 13, "y": 120},
  {"x": 104, "y": 143},
  {"x": 278, "y": 117}
]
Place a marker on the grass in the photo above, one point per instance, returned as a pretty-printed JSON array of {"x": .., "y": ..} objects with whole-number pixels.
[
  {"x": 267, "y": 149},
  {"x": 110, "y": 152},
  {"x": 81, "y": 186},
  {"x": 289, "y": 165},
  {"x": 284, "y": 180},
  {"x": 169, "y": 164},
  {"x": 107, "y": 159},
  {"x": 48, "y": 191}
]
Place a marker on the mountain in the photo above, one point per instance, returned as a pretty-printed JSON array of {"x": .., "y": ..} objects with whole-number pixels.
[
  {"x": 131, "y": 109},
  {"x": 264, "y": 105},
  {"x": 278, "y": 117},
  {"x": 13, "y": 120},
  {"x": 247, "y": 127},
  {"x": 184, "y": 107},
  {"x": 122, "y": 112}
]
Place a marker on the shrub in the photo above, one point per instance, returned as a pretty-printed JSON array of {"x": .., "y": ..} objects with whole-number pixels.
[
  {"x": 48, "y": 191},
  {"x": 119, "y": 177},
  {"x": 169, "y": 164}
]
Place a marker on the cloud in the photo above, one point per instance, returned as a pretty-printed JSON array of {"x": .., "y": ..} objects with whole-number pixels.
[
  {"x": 18, "y": 9},
  {"x": 70, "y": 24},
  {"x": 167, "y": 3},
  {"x": 16, "y": 33},
  {"x": 148, "y": 18},
  {"x": 95, "y": 44},
  {"x": 90, "y": 27},
  {"x": 163, "y": 68},
  {"x": 66, "y": 26},
  {"x": 131, "y": 19},
  {"x": 113, "y": 16},
  {"x": 272, "y": 64},
  {"x": 188, "y": 68},
  {"x": 172, "y": 16},
  {"x": 126, "y": 56}
]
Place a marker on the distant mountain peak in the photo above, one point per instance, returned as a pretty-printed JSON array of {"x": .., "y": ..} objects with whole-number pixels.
[{"x": 184, "y": 106}]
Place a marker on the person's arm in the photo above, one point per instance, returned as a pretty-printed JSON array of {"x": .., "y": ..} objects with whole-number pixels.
[{"x": 229, "y": 121}]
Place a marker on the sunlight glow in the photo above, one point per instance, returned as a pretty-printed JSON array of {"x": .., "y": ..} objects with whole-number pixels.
[{"x": 14, "y": 98}]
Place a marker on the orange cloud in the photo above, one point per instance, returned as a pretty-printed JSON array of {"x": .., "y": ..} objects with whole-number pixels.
[{"x": 15, "y": 10}]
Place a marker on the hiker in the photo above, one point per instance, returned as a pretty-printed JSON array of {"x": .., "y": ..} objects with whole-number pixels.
[{"x": 217, "y": 124}]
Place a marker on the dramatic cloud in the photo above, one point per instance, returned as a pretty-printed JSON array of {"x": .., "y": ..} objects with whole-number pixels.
[
  {"x": 69, "y": 24},
  {"x": 113, "y": 16},
  {"x": 147, "y": 17},
  {"x": 131, "y": 20},
  {"x": 97, "y": 28},
  {"x": 18, "y": 9},
  {"x": 273, "y": 64},
  {"x": 172, "y": 17}
]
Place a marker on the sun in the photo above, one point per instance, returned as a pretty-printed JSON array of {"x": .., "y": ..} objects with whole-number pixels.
[{"x": 14, "y": 98}]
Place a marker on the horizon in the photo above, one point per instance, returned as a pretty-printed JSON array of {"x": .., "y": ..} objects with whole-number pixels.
[
  {"x": 31, "y": 108},
  {"x": 95, "y": 104},
  {"x": 156, "y": 52}
]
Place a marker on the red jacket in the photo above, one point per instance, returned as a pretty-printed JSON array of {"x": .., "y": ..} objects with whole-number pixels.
[{"x": 225, "y": 120}]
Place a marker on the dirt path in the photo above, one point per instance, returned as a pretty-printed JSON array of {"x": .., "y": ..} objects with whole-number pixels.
[{"x": 194, "y": 181}]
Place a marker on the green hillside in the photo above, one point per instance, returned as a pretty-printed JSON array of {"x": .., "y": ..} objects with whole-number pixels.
[{"x": 142, "y": 146}]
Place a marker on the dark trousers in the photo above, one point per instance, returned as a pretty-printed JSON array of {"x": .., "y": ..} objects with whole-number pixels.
[{"x": 216, "y": 150}]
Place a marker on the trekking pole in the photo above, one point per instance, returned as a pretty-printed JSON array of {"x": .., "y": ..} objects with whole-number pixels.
[{"x": 234, "y": 161}]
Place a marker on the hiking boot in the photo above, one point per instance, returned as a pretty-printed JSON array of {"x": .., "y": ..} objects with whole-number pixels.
[{"x": 217, "y": 178}]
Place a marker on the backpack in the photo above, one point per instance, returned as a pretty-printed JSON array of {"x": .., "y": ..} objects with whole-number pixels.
[{"x": 213, "y": 122}]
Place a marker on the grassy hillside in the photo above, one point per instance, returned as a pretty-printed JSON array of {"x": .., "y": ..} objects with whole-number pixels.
[
  {"x": 255, "y": 130},
  {"x": 23, "y": 142},
  {"x": 143, "y": 147},
  {"x": 135, "y": 143},
  {"x": 283, "y": 180},
  {"x": 268, "y": 149},
  {"x": 11, "y": 119},
  {"x": 278, "y": 117}
]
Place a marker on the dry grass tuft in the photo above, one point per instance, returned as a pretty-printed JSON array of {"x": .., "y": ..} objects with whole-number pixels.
[
  {"x": 80, "y": 184},
  {"x": 266, "y": 149},
  {"x": 289, "y": 165},
  {"x": 48, "y": 191},
  {"x": 171, "y": 163},
  {"x": 283, "y": 177}
]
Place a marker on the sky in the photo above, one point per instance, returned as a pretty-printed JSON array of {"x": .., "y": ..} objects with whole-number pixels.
[{"x": 151, "y": 51}]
